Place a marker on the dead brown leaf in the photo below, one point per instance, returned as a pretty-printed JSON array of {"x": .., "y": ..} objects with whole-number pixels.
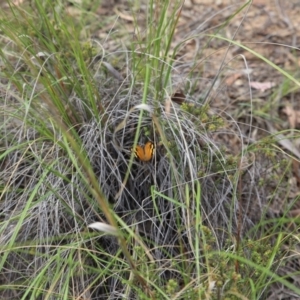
[
  {"x": 232, "y": 78},
  {"x": 293, "y": 116},
  {"x": 178, "y": 97},
  {"x": 262, "y": 86}
]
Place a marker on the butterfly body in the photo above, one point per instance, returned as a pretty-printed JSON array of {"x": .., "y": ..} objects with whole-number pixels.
[{"x": 144, "y": 153}]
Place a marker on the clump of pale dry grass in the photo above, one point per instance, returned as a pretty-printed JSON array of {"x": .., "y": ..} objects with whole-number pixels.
[{"x": 158, "y": 200}]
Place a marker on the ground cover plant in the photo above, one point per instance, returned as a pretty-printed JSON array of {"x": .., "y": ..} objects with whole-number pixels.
[{"x": 137, "y": 160}]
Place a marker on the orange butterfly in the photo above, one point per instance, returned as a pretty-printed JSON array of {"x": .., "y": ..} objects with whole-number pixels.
[{"x": 144, "y": 153}]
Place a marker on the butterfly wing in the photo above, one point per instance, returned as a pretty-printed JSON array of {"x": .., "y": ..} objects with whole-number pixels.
[
  {"x": 139, "y": 152},
  {"x": 148, "y": 151}
]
